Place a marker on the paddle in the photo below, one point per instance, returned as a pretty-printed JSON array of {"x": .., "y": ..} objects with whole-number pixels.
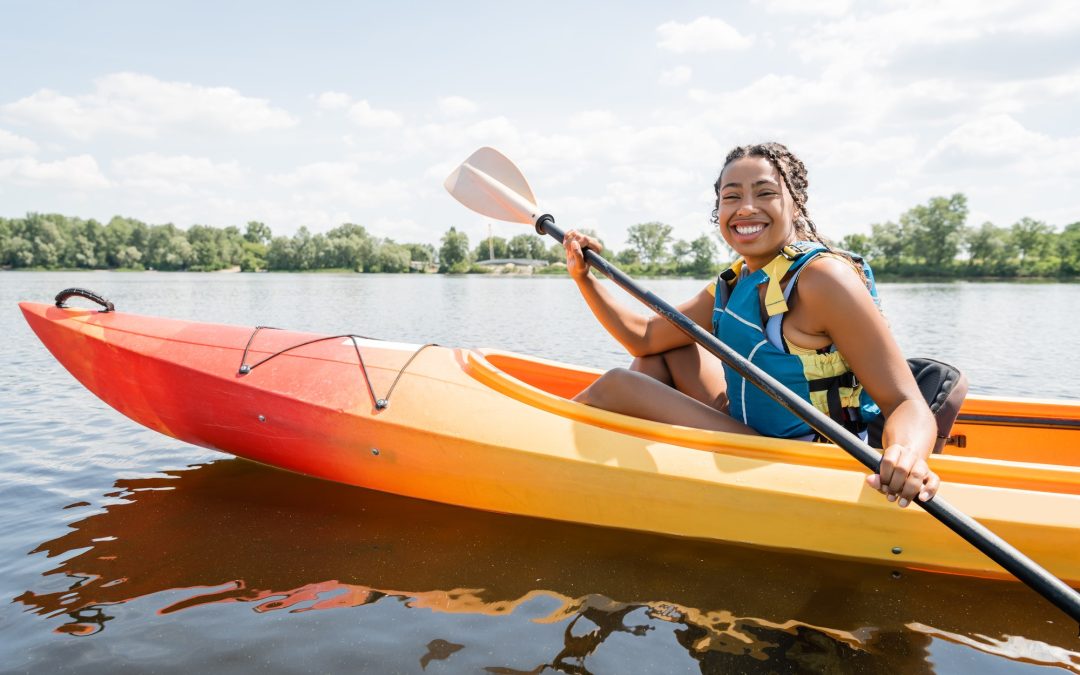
[{"x": 489, "y": 183}]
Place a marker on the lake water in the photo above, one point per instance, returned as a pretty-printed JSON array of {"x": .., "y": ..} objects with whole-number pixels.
[{"x": 127, "y": 551}]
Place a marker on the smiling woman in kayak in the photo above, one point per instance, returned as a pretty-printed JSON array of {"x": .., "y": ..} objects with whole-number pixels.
[{"x": 806, "y": 315}]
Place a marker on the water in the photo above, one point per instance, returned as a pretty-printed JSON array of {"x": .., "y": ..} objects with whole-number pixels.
[{"x": 126, "y": 551}]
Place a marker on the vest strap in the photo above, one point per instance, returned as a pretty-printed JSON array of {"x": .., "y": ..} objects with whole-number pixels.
[{"x": 774, "y": 294}]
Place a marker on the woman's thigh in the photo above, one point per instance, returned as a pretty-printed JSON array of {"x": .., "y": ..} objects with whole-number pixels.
[
  {"x": 689, "y": 369},
  {"x": 634, "y": 393}
]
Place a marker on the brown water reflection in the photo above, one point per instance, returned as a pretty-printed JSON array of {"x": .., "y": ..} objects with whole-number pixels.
[{"x": 235, "y": 532}]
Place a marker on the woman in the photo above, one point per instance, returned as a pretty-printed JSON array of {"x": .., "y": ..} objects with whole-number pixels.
[{"x": 807, "y": 315}]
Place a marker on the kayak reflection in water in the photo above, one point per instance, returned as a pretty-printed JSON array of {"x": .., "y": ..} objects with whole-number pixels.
[{"x": 804, "y": 313}]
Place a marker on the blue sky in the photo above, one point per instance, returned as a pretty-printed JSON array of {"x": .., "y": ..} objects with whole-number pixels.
[{"x": 618, "y": 113}]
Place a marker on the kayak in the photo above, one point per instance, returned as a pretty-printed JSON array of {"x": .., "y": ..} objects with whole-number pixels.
[{"x": 495, "y": 430}]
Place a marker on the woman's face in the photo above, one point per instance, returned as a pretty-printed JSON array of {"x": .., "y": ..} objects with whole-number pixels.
[{"x": 756, "y": 213}]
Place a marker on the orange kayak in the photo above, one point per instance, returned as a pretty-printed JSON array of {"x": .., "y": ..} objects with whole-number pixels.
[{"x": 495, "y": 430}]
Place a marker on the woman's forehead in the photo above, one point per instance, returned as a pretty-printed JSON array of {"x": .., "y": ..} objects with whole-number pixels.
[{"x": 749, "y": 170}]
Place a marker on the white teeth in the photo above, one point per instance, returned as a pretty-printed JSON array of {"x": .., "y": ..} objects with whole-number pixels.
[{"x": 750, "y": 228}]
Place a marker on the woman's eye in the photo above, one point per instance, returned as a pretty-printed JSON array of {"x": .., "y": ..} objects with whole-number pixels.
[
  {"x": 728, "y": 198},
  {"x": 766, "y": 193}
]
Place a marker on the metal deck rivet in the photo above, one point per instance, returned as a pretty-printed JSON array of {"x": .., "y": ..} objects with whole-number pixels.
[
  {"x": 262, "y": 418},
  {"x": 375, "y": 451},
  {"x": 897, "y": 550}
]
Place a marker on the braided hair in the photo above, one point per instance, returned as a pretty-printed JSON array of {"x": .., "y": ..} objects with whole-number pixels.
[{"x": 793, "y": 172}]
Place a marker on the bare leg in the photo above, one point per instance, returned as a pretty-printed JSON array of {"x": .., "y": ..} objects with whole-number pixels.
[
  {"x": 691, "y": 370},
  {"x": 634, "y": 393}
]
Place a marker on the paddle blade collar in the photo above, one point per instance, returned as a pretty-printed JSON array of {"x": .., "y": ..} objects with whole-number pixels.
[{"x": 489, "y": 183}]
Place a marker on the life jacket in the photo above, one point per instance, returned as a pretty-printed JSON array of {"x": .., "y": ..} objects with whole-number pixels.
[{"x": 823, "y": 377}]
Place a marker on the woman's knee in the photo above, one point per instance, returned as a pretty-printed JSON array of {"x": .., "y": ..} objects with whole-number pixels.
[{"x": 606, "y": 389}]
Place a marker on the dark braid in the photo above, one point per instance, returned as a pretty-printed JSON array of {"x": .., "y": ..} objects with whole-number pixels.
[{"x": 793, "y": 172}]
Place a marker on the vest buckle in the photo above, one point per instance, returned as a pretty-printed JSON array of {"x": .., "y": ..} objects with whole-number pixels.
[{"x": 794, "y": 251}]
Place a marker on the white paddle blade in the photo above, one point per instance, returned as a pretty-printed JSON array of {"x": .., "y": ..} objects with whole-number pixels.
[{"x": 489, "y": 183}]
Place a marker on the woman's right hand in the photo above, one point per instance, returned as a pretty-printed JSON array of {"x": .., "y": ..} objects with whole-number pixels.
[{"x": 574, "y": 242}]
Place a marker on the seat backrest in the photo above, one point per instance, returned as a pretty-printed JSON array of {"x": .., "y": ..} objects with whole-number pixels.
[{"x": 943, "y": 387}]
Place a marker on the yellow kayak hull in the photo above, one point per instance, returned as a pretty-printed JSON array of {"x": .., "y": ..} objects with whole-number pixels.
[{"x": 493, "y": 430}]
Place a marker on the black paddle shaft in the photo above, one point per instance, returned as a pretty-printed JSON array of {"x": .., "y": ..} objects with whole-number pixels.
[{"x": 996, "y": 548}]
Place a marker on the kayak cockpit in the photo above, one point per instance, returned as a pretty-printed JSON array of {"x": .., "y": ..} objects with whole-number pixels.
[{"x": 1011, "y": 430}]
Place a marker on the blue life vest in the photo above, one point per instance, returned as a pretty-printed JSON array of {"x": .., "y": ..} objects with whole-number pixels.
[{"x": 822, "y": 378}]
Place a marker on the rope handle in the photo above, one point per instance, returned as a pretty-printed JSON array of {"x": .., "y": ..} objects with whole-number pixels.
[{"x": 83, "y": 293}]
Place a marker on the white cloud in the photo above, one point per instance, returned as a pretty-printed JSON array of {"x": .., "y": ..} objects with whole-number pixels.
[
  {"x": 141, "y": 105},
  {"x": 176, "y": 174},
  {"x": 593, "y": 119},
  {"x": 875, "y": 38},
  {"x": 12, "y": 144},
  {"x": 364, "y": 115},
  {"x": 340, "y": 184},
  {"x": 704, "y": 34},
  {"x": 675, "y": 77},
  {"x": 818, "y": 7},
  {"x": 454, "y": 106},
  {"x": 333, "y": 100},
  {"x": 994, "y": 138},
  {"x": 80, "y": 173}
]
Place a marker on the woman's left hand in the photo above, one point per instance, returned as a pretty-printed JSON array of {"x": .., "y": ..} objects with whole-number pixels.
[{"x": 903, "y": 476}]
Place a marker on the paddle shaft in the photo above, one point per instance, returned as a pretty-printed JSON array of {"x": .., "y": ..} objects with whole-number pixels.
[{"x": 997, "y": 549}]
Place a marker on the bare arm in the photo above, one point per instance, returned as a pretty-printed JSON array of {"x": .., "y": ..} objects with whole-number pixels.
[
  {"x": 837, "y": 304},
  {"x": 640, "y": 335}
]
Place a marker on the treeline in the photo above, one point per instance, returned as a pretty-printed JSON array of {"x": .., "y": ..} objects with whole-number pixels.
[
  {"x": 61, "y": 242},
  {"x": 51, "y": 241},
  {"x": 929, "y": 240},
  {"x": 934, "y": 240}
]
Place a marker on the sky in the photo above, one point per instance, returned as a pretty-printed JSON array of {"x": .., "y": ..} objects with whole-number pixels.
[{"x": 322, "y": 113}]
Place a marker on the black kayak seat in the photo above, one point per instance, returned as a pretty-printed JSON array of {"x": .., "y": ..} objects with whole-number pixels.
[{"x": 944, "y": 388}]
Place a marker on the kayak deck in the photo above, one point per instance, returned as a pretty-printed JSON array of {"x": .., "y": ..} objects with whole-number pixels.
[{"x": 496, "y": 431}]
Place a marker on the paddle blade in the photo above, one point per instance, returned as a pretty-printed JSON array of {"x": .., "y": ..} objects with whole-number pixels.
[{"x": 489, "y": 183}]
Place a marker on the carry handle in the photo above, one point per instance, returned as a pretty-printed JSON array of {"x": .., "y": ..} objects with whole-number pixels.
[{"x": 83, "y": 293}]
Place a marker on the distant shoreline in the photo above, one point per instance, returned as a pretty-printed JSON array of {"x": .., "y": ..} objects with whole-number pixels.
[{"x": 881, "y": 278}]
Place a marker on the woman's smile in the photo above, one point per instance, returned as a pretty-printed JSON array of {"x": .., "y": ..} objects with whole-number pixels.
[{"x": 748, "y": 228}]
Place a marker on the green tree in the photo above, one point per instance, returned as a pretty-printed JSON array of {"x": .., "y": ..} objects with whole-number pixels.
[
  {"x": 1069, "y": 249},
  {"x": 490, "y": 248},
  {"x": 281, "y": 254},
  {"x": 422, "y": 253},
  {"x": 253, "y": 257},
  {"x": 989, "y": 250},
  {"x": 935, "y": 230},
  {"x": 85, "y": 246},
  {"x": 703, "y": 256},
  {"x": 857, "y": 243},
  {"x": 119, "y": 233},
  {"x": 17, "y": 250},
  {"x": 680, "y": 251},
  {"x": 257, "y": 233},
  {"x": 628, "y": 256},
  {"x": 129, "y": 257},
  {"x": 205, "y": 248},
  {"x": 555, "y": 253},
  {"x": 391, "y": 257},
  {"x": 167, "y": 248},
  {"x": 454, "y": 252},
  {"x": 47, "y": 239},
  {"x": 349, "y": 246},
  {"x": 526, "y": 245},
  {"x": 1033, "y": 239},
  {"x": 650, "y": 240},
  {"x": 887, "y": 245}
]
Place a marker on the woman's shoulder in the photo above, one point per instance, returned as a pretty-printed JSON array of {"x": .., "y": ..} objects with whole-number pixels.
[{"x": 829, "y": 277}]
